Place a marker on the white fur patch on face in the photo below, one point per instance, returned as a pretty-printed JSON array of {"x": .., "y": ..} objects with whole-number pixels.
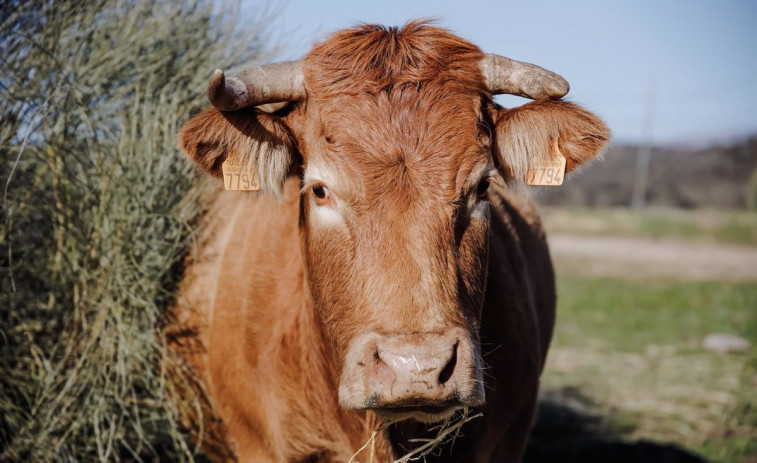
[
  {"x": 318, "y": 173},
  {"x": 326, "y": 216},
  {"x": 480, "y": 210},
  {"x": 330, "y": 214}
]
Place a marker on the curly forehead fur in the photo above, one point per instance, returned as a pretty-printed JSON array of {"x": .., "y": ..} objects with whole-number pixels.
[
  {"x": 373, "y": 58},
  {"x": 400, "y": 110}
]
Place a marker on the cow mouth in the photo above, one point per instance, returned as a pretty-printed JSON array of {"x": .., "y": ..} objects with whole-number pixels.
[{"x": 422, "y": 413}]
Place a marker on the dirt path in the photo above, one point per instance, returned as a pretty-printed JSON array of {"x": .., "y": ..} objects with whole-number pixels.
[{"x": 645, "y": 258}]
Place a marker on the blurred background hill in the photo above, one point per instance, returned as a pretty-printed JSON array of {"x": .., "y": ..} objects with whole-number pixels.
[{"x": 719, "y": 176}]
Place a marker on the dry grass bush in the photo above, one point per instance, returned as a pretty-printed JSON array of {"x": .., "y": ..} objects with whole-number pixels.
[{"x": 98, "y": 209}]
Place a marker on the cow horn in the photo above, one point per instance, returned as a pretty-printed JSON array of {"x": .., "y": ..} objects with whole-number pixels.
[
  {"x": 269, "y": 83},
  {"x": 505, "y": 75}
]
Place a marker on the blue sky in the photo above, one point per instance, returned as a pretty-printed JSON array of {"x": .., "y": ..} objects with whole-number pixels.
[{"x": 700, "y": 57}]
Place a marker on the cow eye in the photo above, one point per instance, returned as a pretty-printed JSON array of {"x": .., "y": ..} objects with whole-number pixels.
[
  {"x": 321, "y": 193},
  {"x": 483, "y": 185}
]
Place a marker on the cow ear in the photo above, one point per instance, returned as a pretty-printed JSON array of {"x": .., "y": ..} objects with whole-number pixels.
[
  {"x": 257, "y": 140},
  {"x": 535, "y": 132}
]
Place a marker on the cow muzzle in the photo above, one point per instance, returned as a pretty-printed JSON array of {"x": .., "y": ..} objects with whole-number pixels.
[{"x": 425, "y": 376}]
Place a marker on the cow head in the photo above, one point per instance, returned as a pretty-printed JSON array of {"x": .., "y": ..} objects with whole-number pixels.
[{"x": 396, "y": 140}]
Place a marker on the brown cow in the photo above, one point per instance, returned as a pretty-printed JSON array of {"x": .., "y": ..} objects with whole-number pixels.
[{"x": 387, "y": 269}]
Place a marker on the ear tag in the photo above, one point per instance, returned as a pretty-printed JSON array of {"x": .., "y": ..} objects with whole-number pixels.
[
  {"x": 239, "y": 176},
  {"x": 549, "y": 172}
]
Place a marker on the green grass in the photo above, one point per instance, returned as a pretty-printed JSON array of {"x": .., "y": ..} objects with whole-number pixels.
[
  {"x": 632, "y": 315},
  {"x": 634, "y": 348},
  {"x": 735, "y": 227}
]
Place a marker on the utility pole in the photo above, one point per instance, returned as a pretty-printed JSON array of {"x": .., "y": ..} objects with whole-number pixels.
[{"x": 641, "y": 178}]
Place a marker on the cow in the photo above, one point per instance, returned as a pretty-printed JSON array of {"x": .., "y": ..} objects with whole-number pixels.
[{"x": 390, "y": 267}]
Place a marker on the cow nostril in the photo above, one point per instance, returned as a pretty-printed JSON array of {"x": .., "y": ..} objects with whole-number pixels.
[{"x": 449, "y": 368}]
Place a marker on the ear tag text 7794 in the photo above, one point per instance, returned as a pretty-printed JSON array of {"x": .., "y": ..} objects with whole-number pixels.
[
  {"x": 549, "y": 172},
  {"x": 239, "y": 176}
]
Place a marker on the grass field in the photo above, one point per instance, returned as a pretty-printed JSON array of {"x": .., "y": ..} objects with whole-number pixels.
[{"x": 630, "y": 349}]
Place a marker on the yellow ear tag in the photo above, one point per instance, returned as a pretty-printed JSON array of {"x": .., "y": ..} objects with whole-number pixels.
[
  {"x": 238, "y": 176},
  {"x": 549, "y": 172}
]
